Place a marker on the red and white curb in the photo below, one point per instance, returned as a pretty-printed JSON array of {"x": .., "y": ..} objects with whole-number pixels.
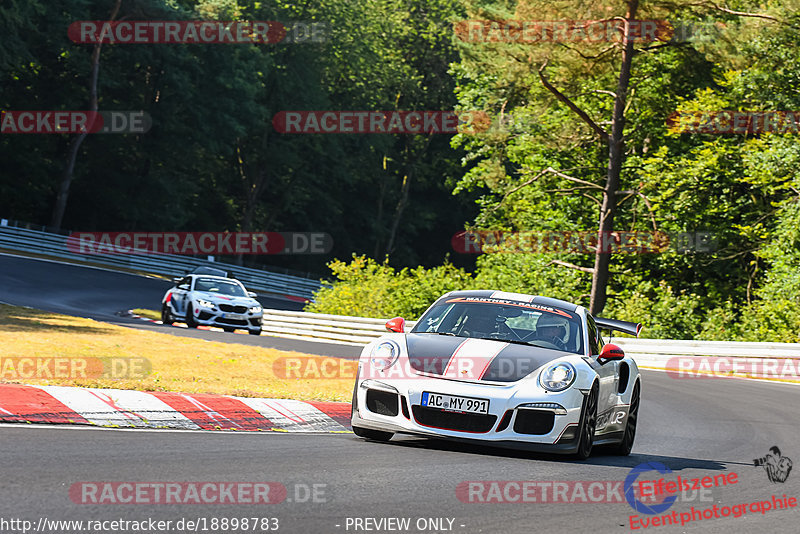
[{"x": 139, "y": 409}]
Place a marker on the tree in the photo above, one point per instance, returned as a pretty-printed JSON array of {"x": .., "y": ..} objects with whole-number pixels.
[
  {"x": 561, "y": 154},
  {"x": 75, "y": 145}
]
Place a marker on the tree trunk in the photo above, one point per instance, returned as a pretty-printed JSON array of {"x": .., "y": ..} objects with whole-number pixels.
[
  {"x": 398, "y": 212},
  {"x": 410, "y": 161},
  {"x": 378, "y": 223},
  {"x": 66, "y": 178},
  {"x": 252, "y": 189},
  {"x": 616, "y": 149}
]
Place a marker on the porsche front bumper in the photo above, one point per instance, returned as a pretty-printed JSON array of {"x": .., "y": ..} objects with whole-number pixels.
[{"x": 520, "y": 415}]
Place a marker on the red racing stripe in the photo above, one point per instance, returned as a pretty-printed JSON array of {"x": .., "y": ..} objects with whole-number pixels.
[
  {"x": 489, "y": 362},
  {"x": 21, "y": 404},
  {"x": 216, "y": 412},
  {"x": 338, "y": 411},
  {"x": 453, "y": 356},
  {"x": 473, "y": 357}
]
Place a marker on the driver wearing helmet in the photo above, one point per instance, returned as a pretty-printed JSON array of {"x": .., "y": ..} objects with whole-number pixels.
[{"x": 553, "y": 329}]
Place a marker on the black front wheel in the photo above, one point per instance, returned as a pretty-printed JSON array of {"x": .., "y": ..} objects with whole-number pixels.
[
  {"x": 254, "y": 332},
  {"x": 166, "y": 315},
  {"x": 190, "y": 322},
  {"x": 588, "y": 425}
]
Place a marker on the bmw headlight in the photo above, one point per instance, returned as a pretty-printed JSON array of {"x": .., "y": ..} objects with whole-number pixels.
[
  {"x": 558, "y": 376},
  {"x": 384, "y": 355},
  {"x": 255, "y": 309},
  {"x": 205, "y": 303}
]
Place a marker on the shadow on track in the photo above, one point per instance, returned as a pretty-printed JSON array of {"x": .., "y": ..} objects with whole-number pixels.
[{"x": 675, "y": 463}]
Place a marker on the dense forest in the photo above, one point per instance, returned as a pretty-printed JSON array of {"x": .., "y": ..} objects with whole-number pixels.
[{"x": 579, "y": 133}]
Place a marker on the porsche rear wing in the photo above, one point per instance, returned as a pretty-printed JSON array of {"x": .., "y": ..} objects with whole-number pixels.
[{"x": 626, "y": 327}]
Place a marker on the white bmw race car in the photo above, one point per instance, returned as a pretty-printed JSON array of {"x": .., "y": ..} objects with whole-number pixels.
[
  {"x": 200, "y": 299},
  {"x": 504, "y": 369}
]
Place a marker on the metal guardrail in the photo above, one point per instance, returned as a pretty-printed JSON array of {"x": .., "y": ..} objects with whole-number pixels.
[
  {"x": 649, "y": 353},
  {"x": 364, "y": 330},
  {"x": 658, "y": 349},
  {"x": 324, "y": 327},
  {"x": 170, "y": 265}
]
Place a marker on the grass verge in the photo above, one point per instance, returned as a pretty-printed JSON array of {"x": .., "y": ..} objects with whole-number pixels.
[
  {"x": 148, "y": 314},
  {"x": 177, "y": 364}
]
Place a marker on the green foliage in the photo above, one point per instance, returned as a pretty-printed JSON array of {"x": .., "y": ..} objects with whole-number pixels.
[
  {"x": 663, "y": 312},
  {"x": 533, "y": 274},
  {"x": 212, "y": 160},
  {"x": 741, "y": 189},
  {"x": 367, "y": 288}
]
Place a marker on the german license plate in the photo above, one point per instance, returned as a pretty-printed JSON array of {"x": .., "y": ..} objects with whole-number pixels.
[
  {"x": 453, "y": 403},
  {"x": 232, "y": 316}
]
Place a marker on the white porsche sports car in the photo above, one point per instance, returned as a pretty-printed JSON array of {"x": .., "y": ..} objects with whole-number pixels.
[
  {"x": 200, "y": 299},
  {"x": 503, "y": 369}
]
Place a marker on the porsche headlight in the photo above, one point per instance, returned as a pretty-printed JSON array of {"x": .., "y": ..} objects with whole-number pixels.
[
  {"x": 255, "y": 309},
  {"x": 384, "y": 355},
  {"x": 205, "y": 303},
  {"x": 557, "y": 376}
]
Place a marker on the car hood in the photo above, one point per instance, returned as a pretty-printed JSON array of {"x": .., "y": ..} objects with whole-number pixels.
[
  {"x": 476, "y": 359},
  {"x": 226, "y": 299}
]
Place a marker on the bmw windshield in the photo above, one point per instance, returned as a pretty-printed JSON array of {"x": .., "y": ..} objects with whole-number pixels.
[
  {"x": 513, "y": 322},
  {"x": 219, "y": 287}
]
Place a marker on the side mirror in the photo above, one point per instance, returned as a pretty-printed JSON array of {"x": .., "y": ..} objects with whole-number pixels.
[
  {"x": 252, "y": 295},
  {"x": 177, "y": 279},
  {"x": 611, "y": 352},
  {"x": 398, "y": 324}
]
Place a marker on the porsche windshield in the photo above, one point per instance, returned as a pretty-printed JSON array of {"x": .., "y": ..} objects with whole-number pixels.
[
  {"x": 220, "y": 287},
  {"x": 514, "y": 322}
]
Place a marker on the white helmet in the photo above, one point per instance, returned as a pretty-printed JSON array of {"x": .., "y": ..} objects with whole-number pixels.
[{"x": 551, "y": 320}]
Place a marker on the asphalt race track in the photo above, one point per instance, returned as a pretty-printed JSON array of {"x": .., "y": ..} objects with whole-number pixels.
[{"x": 695, "y": 427}]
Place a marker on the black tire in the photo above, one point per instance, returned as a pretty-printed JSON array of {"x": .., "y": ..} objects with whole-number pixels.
[
  {"x": 376, "y": 435},
  {"x": 228, "y": 329},
  {"x": 254, "y": 332},
  {"x": 588, "y": 424},
  {"x": 190, "y": 318},
  {"x": 166, "y": 315},
  {"x": 624, "y": 447}
]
